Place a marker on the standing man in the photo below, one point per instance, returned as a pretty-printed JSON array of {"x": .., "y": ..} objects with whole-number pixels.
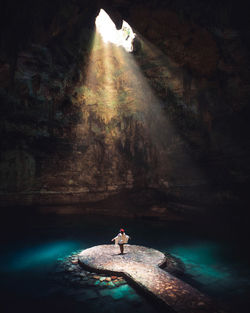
[{"x": 121, "y": 239}]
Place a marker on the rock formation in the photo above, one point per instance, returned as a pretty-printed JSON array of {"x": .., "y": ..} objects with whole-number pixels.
[{"x": 172, "y": 117}]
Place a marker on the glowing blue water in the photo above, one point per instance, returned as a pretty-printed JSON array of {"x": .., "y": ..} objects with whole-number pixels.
[
  {"x": 28, "y": 262},
  {"x": 202, "y": 260},
  {"x": 41, "y": 255}
]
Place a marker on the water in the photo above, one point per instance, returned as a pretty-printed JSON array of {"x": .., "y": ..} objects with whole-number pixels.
[{"x": 215, "y": 265}]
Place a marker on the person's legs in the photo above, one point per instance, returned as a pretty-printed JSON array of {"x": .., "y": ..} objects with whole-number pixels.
[{"x": 121, "y": 248}]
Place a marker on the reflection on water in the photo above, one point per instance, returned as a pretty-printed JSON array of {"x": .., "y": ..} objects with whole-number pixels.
[
  {"x": 29, "y": 259},
  {"x": 39, "y": 255}
]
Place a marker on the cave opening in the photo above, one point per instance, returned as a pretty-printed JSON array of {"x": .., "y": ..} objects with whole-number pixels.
[{"x": 107, "y": 29}]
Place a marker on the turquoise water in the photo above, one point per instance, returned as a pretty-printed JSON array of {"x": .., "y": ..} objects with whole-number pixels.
[
  {"x": 213, "y": 273},
  {"x": 31, "y": 258},
  {"x": 214, "y": 265}
]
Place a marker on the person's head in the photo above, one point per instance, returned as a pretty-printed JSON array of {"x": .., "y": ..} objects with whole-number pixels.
[{"x": 122, "y": 231}]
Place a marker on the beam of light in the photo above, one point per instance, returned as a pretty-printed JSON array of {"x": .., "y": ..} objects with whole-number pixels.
[
  {"x": 107, "y": 29},
  {"x": 120, "y": 107},
  {"x": 165, "y": 70}
]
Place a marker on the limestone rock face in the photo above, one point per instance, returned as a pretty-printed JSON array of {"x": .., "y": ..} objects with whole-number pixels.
[{"x": 81, "y": 121}]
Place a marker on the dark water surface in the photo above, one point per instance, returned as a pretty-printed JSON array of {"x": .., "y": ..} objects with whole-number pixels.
[{"x": 216, "y": 262}]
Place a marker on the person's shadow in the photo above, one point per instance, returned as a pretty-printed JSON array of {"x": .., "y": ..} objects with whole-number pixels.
[{"x": 119, "y": 254}]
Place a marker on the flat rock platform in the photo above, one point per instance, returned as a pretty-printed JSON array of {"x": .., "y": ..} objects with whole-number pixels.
[{"x": 141, "y": 266}]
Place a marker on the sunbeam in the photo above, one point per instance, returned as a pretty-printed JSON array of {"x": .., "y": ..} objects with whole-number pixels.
[{"x": 118, "y": 94}]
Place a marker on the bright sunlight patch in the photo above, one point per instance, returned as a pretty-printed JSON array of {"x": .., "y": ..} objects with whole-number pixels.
[{"x": 107, "y": 29}]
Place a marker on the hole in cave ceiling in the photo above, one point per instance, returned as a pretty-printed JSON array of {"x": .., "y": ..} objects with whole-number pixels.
[{"x": 123, "y": 37}]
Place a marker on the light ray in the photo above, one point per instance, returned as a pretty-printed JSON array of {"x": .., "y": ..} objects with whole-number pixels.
[{"x": 119, "y": 97}]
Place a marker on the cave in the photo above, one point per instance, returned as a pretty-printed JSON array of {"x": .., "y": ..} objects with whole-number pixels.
[{"x": 121, "y": 113}]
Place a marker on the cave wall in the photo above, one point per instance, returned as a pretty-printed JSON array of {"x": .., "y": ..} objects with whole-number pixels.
[
  {"x": 62, "y": 143},
  {"x": 203, "y": 82}
]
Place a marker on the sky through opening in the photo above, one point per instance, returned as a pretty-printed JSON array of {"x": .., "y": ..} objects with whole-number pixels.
[{"x": 107, "y": 29}]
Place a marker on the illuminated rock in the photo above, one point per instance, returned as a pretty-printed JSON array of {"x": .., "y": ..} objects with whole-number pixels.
[{"x": 141, "y": 266}]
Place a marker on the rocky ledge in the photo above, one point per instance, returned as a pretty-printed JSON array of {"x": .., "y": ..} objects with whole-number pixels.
[{"x": 141, "y": 266}]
